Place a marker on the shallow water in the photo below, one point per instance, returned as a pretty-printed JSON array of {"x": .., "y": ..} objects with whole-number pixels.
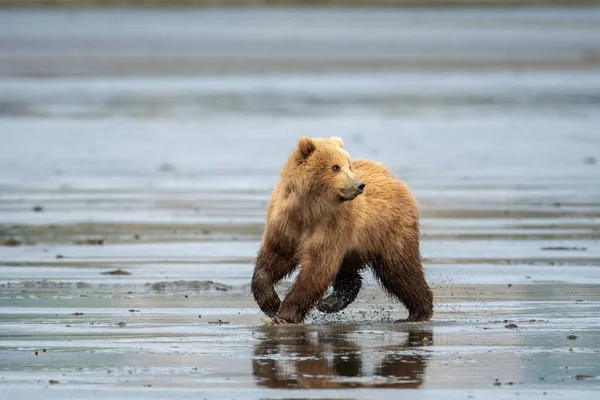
[{"x": 161, "y": 134}]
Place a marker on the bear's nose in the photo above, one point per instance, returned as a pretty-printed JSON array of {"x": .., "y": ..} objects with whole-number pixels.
[{"x": 361, "y": 187}]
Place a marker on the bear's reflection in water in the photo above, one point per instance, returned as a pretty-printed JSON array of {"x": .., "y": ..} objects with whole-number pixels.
[{"x": 297, "y": 357}]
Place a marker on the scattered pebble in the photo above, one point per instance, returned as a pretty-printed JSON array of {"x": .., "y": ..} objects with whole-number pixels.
[
  {"x": 116, "y": 272},
  {"x": 53, "y": 382},
  {"x": 590, "y": 160},
  {"x": 60, "y": 256},
  {"x": 78, "y": 314},
  {"x": 121, "y": 324},
  {"x": 166, "y": 167},
  {"x": 572, "y": 337},
  {"x": 511, "y": 326},
  {"x": 38, "y": 208},
  {"x": 218, "y": 322},
  {"x": 565, "y": 248},
  {"x": 11, "y": 242},
  {"x": 92, "y": 242},
  {"x": 181, "y": 285},
  {"x": 584, "y": 377}
]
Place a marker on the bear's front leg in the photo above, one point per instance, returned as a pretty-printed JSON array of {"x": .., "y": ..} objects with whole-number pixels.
[
  {"x": 319, "y": 266},
  {"x": 272, "y": 265}
]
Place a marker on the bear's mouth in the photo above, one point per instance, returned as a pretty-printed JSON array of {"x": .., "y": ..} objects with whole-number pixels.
[{"x": 349, "y": 194}]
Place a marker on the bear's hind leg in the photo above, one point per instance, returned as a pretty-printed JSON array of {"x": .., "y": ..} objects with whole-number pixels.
[
  {"x": 401, "y": 275},
  {"x": 346, "y": 287}
]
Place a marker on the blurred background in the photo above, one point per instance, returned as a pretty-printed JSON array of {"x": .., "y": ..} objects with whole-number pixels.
[
  {"x": 140, "y": 141},
  {"x": 171, "y": 116}
]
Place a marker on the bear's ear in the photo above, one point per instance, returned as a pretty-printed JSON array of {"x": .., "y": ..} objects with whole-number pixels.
[
  {"x": 337, "y": 141},
  {"x": 306, "y": 146}
]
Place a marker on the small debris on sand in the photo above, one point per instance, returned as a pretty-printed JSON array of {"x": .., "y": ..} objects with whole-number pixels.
[
  {"x": 60, "y": 256},
  {"x": 116, "y": 272},
  {"x": 218, "y": 322},
  {"x": 92, "y": 242},
  {"x": 572, "y": 337},
  {"x": 53, "y": 382},
  {"x": 10, "y": 242},
  {"x": 38, "y": 208},
  {"x": 121, "y": 324},
  {"x": 177, "y": 286},
  {"x": 590, "y": 160},
  {"x": 584, "y": 377},
  {"x": 77, "y": 314},
  {"x": 511, "y": 326},
  {"x": 44, "y": 284},
  {"x": 166, "y": 167},
  {"x": 565, "y": 248}
]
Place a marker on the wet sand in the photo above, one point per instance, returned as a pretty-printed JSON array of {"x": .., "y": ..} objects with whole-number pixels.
[{"x": 132, "y": 201}]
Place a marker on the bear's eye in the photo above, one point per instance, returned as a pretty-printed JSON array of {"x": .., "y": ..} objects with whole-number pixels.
[{"x": 336, "y": 168}]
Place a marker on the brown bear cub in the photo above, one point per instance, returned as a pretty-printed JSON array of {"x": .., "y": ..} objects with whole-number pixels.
[{"x": 333, "y": 217}]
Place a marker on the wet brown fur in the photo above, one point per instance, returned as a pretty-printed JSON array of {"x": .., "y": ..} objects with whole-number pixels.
[{"x": 314, "y": 221}]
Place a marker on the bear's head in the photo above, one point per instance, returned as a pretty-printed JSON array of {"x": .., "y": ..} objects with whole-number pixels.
[{"x": 321, "y": 167}]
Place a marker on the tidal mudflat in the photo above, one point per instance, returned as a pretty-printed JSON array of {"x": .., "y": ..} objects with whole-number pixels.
[{"x": 137, "y": 158}]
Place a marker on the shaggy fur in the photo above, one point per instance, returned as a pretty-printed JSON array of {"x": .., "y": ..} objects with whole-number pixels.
[{"x": 320, "y": 218}]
